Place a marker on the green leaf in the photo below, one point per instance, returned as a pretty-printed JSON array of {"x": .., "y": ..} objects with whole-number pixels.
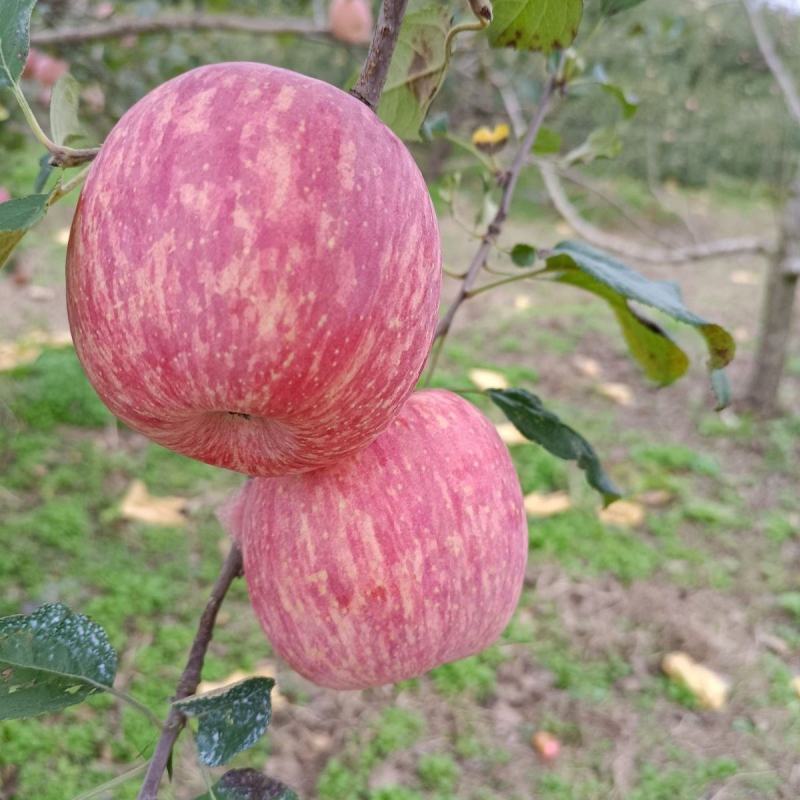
[
  {"x": 601, "y": 143},
  {"x": 611, "y": 7},
  {"x": 249, "y": 784},
  {"x": 15, "y": 38},
  {"x": 523, "y": 255},
  {"x": 64, "y": 125},
  {"x": 417, "y": 69},
  {"x": 529, "y": 416},
  {"x": 628, "y": 102},
  {"x": 569, "y": 259},
  {"x": 547, "y": 142},
  {"x": 16, "y": 218},
  {"x": 51, "y": 659},
  {"x": 535, "y": 24},
  {"x": 721, "y": 388},
  {"x": 230, "y": 720}
]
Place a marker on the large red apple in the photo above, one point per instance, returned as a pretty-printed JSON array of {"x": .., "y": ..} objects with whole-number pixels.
[
  {"x": 351, "y": 21},
  {"x": 253, "y": 271},
  {"x": 403, "y": 557}
]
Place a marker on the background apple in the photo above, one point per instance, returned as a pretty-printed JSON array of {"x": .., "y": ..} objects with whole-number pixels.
[
  {"x": 351, "y": 21},
  {"x": 5, "y": 195},
  {"x": 254, "y": 270},
  {"x": 405, "y": 556}
]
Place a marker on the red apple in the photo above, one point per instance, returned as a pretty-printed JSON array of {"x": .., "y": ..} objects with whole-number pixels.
[
  {"x": 47, "y": 70},
  {"x": 407, "y": 555},
  {"x": 253, "y": 270},
  {"x": 351, "y": 21},
  {"x": 5, "y": 195}
]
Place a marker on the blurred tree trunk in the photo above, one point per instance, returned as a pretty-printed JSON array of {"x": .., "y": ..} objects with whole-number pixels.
[{"x": 777, "y": 312}]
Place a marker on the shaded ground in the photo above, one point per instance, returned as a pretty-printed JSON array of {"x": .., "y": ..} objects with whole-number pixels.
[{"x": 712, "y": 571}]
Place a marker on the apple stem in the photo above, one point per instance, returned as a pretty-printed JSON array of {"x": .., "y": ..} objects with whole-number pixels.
[
  {"x": 190, "y": 678},
  {"x": 373, "y": 75}
]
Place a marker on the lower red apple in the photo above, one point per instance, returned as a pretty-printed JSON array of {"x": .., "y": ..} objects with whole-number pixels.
[{"x": 405, "y": 556}]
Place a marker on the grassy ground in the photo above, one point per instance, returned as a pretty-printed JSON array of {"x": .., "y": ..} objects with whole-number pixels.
[{"x": 712, "y": 571}]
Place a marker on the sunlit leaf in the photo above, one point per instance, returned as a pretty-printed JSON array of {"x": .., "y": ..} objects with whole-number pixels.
[{"x": 544, "y": 25}]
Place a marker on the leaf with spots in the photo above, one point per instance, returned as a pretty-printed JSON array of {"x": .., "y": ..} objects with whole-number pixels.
[
  {"x": 544, "y": 25},
  {"x": 17, "y": 217},
  {"x": 528, "y": 414},
  {"x": 15, "y": 38},
  {"x": 51, "y": 659},
  {"x": 611, "y": 7},
  {"x": 583, "y": 266},
  {"x": 417, "y": 69},
  {"x": 249, "y": 784},
  {"x": 230, "y": 720}
]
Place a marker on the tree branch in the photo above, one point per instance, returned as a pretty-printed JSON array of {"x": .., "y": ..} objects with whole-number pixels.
[
  {"x": 628, "y": 249},
  {"x": 231, "y": 569},
  {"x": 373, "y": 75},
  {"x": 776, "y": 66},
  {"x": 170, "y": 23},
  {"x": 493, "y": 231}
]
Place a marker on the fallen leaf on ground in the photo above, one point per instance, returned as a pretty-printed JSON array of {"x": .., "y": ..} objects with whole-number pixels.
[
  {"x": 546, "y": 745},
  {"x": 546, "y": 505},
  {"x": 139, "y": 505},
  {"x": 562, "y": 229},
  {"x": 522, "y": 302},
  {"x": 588, "y": 366},
  {"x": 41, "y": 293},
  {"x": 62, "y": 237},
  {"x": 618, "y": 392},
  {"x": 264, "y": 670},
  {"x": 741, "y": 334},
  {"x": 710, "y": 689},
  {"x": 743, "y": 277},
  {"x": 656, "y": 498},
  {"x": 25, "y": 351},
  {"x": 623, "y": 513},
  {"x": 510, "y": 435},
  {"x": 488, "y": 379}
]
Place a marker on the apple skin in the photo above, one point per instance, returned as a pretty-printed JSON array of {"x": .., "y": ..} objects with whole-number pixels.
[
  {"x": 254, "y": 270},
  {"x": 351, "y": 21},
  {"x": 405, "y": 556}
]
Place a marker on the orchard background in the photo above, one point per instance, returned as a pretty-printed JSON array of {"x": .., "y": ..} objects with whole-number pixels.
[{"x": 671, "y": 142}]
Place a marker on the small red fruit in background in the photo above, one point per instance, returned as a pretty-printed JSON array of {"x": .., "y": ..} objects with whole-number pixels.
[
  {"x": 405, "y": 556},
  {"x": 351, "y": 21}
]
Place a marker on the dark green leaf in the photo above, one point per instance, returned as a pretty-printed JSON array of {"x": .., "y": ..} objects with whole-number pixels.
[
  {"x": 45, "y": 170},
  {"x": 64, "y": 125},
  {"x": 417, "y": 69},
  {"x": 628, "y": 102},
  {"x": 249, "y": 784},
  {"x": 535, "y": 422},
  {"x": 611, "y": 7},
  {"x": 523, "y": 255},
  {"x": 230, "y": 720},
  {"x": 51, "y": 659},
  {"x": 535, "y": 24},
  {"x": 16, "y": 218},
  {"x": 547, "y": 142},
  {"x": 15, "y": 38},
  {"x": 568, "y": 259}
]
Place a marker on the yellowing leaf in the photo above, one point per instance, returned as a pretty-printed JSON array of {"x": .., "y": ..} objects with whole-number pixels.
[
  {"x": 488, "y": 379},
  {"x": 618, "y": 392},
  {"x": 510, "y": 435},
  {"x": 796, "y": 685},
  {"x": 139, "y": 505},
  {"x": 710, "y": 689},
  {"x": 490, "y": 140},
  {"x": 623, "y": 514},
  {"x": 546, "y": 505}
]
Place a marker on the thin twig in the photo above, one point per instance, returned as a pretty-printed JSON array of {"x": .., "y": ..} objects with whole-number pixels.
[
  {"x": 231, "y": 569},
  {"x": 172, "y": 23},
  {"x": 637, "y": 252},
  {"x": 373, "y": 75},
  {"x": 782, "y": 76},
  {"x": 509, "y": 185}
]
